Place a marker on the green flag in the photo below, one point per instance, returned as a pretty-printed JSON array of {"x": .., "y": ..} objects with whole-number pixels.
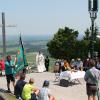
[{"x": 21, "y": 61}]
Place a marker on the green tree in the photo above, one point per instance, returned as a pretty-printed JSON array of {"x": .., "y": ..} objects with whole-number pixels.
[
  {"x": 87, "y": 34},
  {"x": 63, "y": 44},
  {"x": 82, "y": 48},
  {"x": 87, "y": 40}
]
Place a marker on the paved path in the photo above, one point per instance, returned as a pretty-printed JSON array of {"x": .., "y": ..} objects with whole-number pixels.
[{"x": 74, "y": 92}]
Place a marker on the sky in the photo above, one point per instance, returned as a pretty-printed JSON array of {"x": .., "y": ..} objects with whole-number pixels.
[{"x": 45, "y": 17}]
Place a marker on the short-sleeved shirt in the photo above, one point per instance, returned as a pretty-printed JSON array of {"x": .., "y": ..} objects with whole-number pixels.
[
  {"x": 27, "y": 91},
  {"x": 95, "y": 72},
  {"x": 44, "y": 94},
  {"x": 8, "y": 67}
]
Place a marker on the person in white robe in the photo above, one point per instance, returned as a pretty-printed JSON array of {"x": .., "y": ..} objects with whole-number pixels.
[{"x": 40, "y": 62}]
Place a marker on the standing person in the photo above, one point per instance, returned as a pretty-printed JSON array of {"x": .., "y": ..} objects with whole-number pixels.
[
  {"x": 19, "y": 86},
  {"x": 86, "y": 64},
  {"x": 2, "y": 65},
  {"x": 40, "y": 62},
  {"x": 30, "y": 91},
  {"x": 47, "y": 63},
  {"x": 92, "y": 77},
  {"x": 45, "y": 93},
  {"x": 0, "y": 68},
  {"x": 9, "y": 71}
]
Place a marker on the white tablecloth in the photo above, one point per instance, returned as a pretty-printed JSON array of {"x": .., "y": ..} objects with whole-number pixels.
[{"x": 72, "y": 75}]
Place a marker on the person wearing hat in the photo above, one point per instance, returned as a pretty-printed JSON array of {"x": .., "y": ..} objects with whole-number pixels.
[{"x": 45, "y": 93}]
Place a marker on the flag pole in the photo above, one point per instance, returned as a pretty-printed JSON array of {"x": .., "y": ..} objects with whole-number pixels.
[{"x": 20, "y": 40}]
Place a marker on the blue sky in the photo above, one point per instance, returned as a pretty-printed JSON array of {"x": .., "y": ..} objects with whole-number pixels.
[{"x": 35, "y": 17}]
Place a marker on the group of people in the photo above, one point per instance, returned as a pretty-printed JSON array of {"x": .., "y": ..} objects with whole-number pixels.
[
  {"x": 92, "y": 74},
  {"x": 78, "y": 64},
  {"x": 86, "y": 63},
  {"x": 25, "y": 90},
  {"x": 63, "y": 65},
  {"x": 28, "y": 91}
]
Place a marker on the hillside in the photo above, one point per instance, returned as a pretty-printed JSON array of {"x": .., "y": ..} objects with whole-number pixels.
[{"x": 29, "y": 46}]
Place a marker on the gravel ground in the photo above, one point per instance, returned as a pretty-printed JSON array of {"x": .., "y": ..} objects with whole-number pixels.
[{"x": 71, "y": 92}]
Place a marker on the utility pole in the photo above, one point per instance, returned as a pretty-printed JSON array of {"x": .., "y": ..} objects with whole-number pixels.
[
  {"x": 4, "y": 34},
  {"x": 93, "y": 9}
]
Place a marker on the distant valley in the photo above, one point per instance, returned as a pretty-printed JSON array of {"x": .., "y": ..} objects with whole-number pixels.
[{"x": 29, "y": 46}]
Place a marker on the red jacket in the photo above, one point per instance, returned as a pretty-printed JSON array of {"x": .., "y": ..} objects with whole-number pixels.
[{"x": 2, "y": 64}]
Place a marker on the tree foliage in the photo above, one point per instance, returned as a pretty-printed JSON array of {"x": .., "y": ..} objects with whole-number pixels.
[
  {"x": 87, "y": 34},
  {"x": 65, "y": 44}
]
